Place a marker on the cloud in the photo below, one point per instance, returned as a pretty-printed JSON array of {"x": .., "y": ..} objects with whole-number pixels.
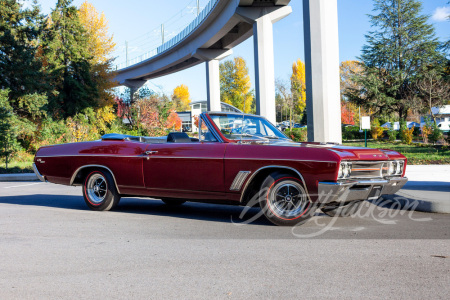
[{"x": 441, "y": 14}]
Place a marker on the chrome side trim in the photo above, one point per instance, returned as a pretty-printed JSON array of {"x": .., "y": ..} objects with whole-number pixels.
[
  {"x": 284, "y": 159},
  {"x": 279, "y": 167},
  {"x": 90, "y": 166},
  {"x": 36, "y": 171},
  {"x": 193, "y": 157},
  {"x": 239, "y": 180},
  {"x": 99, "y": 155}
]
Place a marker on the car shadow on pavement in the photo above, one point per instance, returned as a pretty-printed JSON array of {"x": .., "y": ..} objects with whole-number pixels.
[
  {"x": 189, "y": 210},
  {"x": 437, "y": 186},
  {"x": 192, "y": 210}
]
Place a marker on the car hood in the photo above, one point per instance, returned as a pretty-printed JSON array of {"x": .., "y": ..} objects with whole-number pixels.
[{"x": 345, "y": 152}]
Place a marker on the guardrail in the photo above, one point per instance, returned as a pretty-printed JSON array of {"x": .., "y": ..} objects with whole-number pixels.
[{"x": 173, "y": 41}]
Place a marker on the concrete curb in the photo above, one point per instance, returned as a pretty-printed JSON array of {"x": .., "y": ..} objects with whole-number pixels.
[
  {"x": 18, "y": 177},
  {"x": 430, "y": 206}
]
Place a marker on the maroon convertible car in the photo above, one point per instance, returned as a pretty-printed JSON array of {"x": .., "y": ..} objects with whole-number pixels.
[{"x": 238, "y": 159}]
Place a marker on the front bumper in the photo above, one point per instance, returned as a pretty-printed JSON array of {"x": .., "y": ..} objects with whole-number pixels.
[
  {"x": 41, "y": 178},
  {"x": 349, "y": 190}
]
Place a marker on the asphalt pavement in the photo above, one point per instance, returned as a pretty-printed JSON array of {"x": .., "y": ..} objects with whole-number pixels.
[{"x": 52, "y": 247}]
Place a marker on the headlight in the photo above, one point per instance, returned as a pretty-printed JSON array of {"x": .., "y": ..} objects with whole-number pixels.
[
  {"x": 345, "y": 170},
  {"x": 391, "y": 168},
  {"x": 395, "y": 167}
]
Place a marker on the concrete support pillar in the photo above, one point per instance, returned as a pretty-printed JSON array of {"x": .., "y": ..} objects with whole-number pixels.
[
  {"x": 322, "y": 70},
  {"x": 134, "y": 85},
  {"x": 213, "y": 85},
  {"x": 212, "y": 57},
  {"x": 262, "y": 19},
  {"x": 264, "y": 68}
]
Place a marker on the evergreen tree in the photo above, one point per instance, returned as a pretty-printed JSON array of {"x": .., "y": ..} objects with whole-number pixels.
[
  {"x": 65, "y": 47},
  {"x": 398, "y": 51},
  {"x": 20, "y": 70}
]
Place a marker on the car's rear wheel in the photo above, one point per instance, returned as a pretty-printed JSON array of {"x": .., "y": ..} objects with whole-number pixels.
[
  {"x": 99, "y": 191},
  {"x": 342, "y": 210},
  {"x": 173, "y": 202},
  {"x": 284, "y": 200}
]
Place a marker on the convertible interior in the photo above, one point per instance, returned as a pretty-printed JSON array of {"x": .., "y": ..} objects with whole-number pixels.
[{"x": 173, "y": 137}]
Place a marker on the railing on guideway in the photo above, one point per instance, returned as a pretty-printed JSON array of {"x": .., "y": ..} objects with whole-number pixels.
[{"x": 173, "y": 41}]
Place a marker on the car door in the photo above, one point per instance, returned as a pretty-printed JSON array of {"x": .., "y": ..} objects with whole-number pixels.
[{"x": 191, "y": 166}]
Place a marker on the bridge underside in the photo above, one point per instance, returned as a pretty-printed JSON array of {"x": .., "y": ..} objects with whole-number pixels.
[{"x": 231, "y": 22}]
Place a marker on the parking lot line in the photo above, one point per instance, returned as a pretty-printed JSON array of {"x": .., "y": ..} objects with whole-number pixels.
[{"x": 15, "y": 186}]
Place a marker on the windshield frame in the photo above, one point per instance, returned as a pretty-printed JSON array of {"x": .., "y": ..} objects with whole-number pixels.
[{"x": 213, "y": 126}]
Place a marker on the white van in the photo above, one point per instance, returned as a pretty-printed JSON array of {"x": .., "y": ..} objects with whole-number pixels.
[{"x": 444, "y": 126}]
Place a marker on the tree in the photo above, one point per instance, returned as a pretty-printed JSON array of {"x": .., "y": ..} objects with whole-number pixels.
[
  {"x": 298, "y": 86},
  {"x": 65, "y": 46},
  {"x": 20, "y": 70},
  {"x": 156, "y": 115},
  {"x": 347, "y": 71},
  {"x": 8, "y": 132},
  {"x": 433, "y": 90},
  {"x": 100, "y": 46},
  {"x": 235, "y": 84},
  {"x": 347, "y": 113},
  {"x": 181, "y": 98},
  {"x": 285, "y": 95},
  {"x": 398, "y": 51}
]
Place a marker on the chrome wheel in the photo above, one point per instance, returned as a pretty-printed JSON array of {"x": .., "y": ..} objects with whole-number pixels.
[
  {"x": 96, "y": 189},
  {"x": 287, "y": 199}
]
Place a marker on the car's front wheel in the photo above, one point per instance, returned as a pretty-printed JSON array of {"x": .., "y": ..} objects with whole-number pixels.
[
  {"x": 284, "y": 200},
  {"x": 99, "y": 191}
]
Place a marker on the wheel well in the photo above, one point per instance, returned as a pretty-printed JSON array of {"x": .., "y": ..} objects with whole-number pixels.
[
  {"x": 255, "y": 185},
  {"x": 81, "y": 173}
]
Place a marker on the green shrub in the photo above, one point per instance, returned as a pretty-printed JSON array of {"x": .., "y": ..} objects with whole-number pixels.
[
  {"x": 407, "y": 135},
  {"x": 297, "y": 134},
  {"x": 352, "y": 133},
  {"x": 436, "y": 134},
  {"x": 392, "y": 134}
]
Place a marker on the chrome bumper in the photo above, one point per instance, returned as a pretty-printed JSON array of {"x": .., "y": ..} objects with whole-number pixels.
[
  {"x": 349, "y": 190},
  {"x": 41, "y": 178}
]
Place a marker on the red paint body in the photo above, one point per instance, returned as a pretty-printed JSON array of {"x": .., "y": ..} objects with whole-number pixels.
[{"x": 201, "y": 171}]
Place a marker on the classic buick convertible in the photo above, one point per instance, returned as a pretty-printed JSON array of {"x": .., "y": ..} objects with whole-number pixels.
[{"x": 238, "y": 159}]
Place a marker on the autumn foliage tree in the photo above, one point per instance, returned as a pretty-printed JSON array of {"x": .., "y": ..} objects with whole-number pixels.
[
  {"x": 298, "y": 86},
  {"x": 235, "y": 84},
  {"x": 348, "y": 70},
  {"x": 181, "y": 98},
  {"x": 347, "y": 113},
  {"x": 100, "y": 45},
  {"x": 156, "y": 115}
]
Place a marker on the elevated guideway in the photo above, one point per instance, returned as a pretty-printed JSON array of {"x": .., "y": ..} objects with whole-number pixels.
[
  {"x": 221, "y": 25},
  {"x": 224, "y": 24}
]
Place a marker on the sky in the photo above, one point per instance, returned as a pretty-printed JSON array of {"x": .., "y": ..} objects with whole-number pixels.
[{"x": 139, "y": 23}]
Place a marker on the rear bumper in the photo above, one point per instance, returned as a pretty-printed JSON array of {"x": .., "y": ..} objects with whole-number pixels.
[
  {"x": 350, "y": 190},
  {"x": 36, "y": 171}
]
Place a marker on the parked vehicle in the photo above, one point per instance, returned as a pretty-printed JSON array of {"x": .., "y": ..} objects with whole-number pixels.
[
  {"x": 227, "y": 164},
  {"x": 444, "y": 126},
  {"x": 397, "y": 125}
]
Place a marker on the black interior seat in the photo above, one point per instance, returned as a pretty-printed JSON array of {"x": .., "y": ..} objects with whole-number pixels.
[{"x": 178, "y": 137}]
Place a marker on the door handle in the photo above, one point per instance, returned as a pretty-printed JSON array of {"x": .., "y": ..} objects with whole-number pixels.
[{"x": 151, "y": 152}]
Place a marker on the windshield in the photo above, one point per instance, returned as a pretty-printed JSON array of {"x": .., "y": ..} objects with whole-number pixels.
[{"x": 246, "y": 127}]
